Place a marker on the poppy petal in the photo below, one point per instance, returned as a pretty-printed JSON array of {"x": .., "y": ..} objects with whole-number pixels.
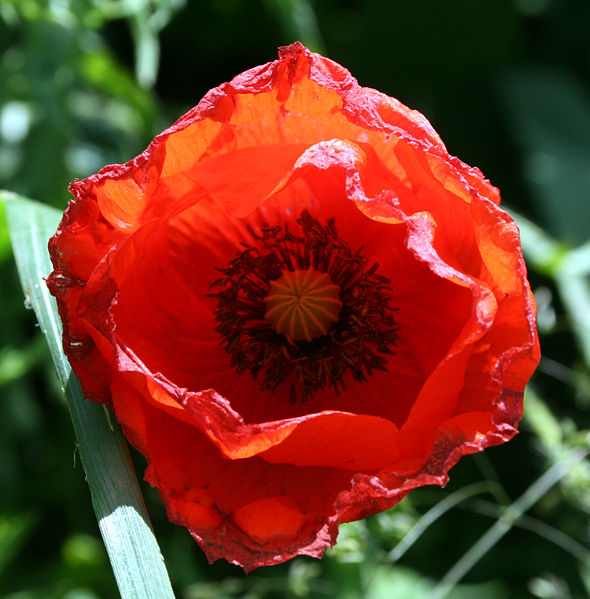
[{"x": 427, "y": 362}]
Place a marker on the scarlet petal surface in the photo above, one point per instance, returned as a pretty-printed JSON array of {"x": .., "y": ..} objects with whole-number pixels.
[{"x": 257, "y": 475}]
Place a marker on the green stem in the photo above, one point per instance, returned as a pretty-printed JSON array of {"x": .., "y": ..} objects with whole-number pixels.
[{"x": 509, "y": 517}]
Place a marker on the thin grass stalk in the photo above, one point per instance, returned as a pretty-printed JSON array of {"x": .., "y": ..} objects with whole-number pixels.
[{"x": 509, "y": 517}]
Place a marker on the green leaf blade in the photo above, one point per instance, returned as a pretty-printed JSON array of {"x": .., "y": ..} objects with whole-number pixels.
[{"x": 133, "y": 550}]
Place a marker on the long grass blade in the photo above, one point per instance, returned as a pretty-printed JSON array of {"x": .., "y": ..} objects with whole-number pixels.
[
  {"x": 433, "y": 514},
  {"x": 549, "y": 533},
  {"x": 123, "y": 520}
]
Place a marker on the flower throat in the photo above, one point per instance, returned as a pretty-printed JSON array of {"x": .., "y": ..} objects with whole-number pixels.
[{"x": 304, "y": 310}]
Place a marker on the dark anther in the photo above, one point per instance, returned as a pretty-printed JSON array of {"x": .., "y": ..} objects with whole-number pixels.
[{"x": 355, "y": 345}]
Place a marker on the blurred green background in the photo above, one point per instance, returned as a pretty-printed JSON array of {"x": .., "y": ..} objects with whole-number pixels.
[{"x": 506, "y": 83}]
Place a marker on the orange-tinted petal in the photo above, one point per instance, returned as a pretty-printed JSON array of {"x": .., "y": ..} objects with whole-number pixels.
[{"x": 255, "y": 478}]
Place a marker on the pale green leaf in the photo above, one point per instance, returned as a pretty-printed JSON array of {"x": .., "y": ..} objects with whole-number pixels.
[{"x": 123, "y": 521}]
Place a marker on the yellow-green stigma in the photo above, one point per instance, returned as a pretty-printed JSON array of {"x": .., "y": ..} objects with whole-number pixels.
[{"x": 303, "y": 304}]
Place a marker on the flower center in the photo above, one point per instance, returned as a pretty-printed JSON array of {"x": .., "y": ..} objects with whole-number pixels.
[
  {"x": 303, "y": 304},
  {"x": 304, "y": 310}
]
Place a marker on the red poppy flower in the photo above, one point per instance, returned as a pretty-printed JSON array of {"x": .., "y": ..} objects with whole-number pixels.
[{"x": 299, "y": 306}]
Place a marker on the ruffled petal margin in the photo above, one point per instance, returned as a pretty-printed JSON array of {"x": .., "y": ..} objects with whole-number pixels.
[{"x": 255, "y": 480}]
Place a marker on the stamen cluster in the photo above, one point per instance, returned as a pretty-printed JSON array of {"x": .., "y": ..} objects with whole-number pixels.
[{"x": 355, "y": 345}]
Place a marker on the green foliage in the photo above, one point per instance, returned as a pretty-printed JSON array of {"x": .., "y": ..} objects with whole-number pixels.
[{"x": 85, "y": 83}]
